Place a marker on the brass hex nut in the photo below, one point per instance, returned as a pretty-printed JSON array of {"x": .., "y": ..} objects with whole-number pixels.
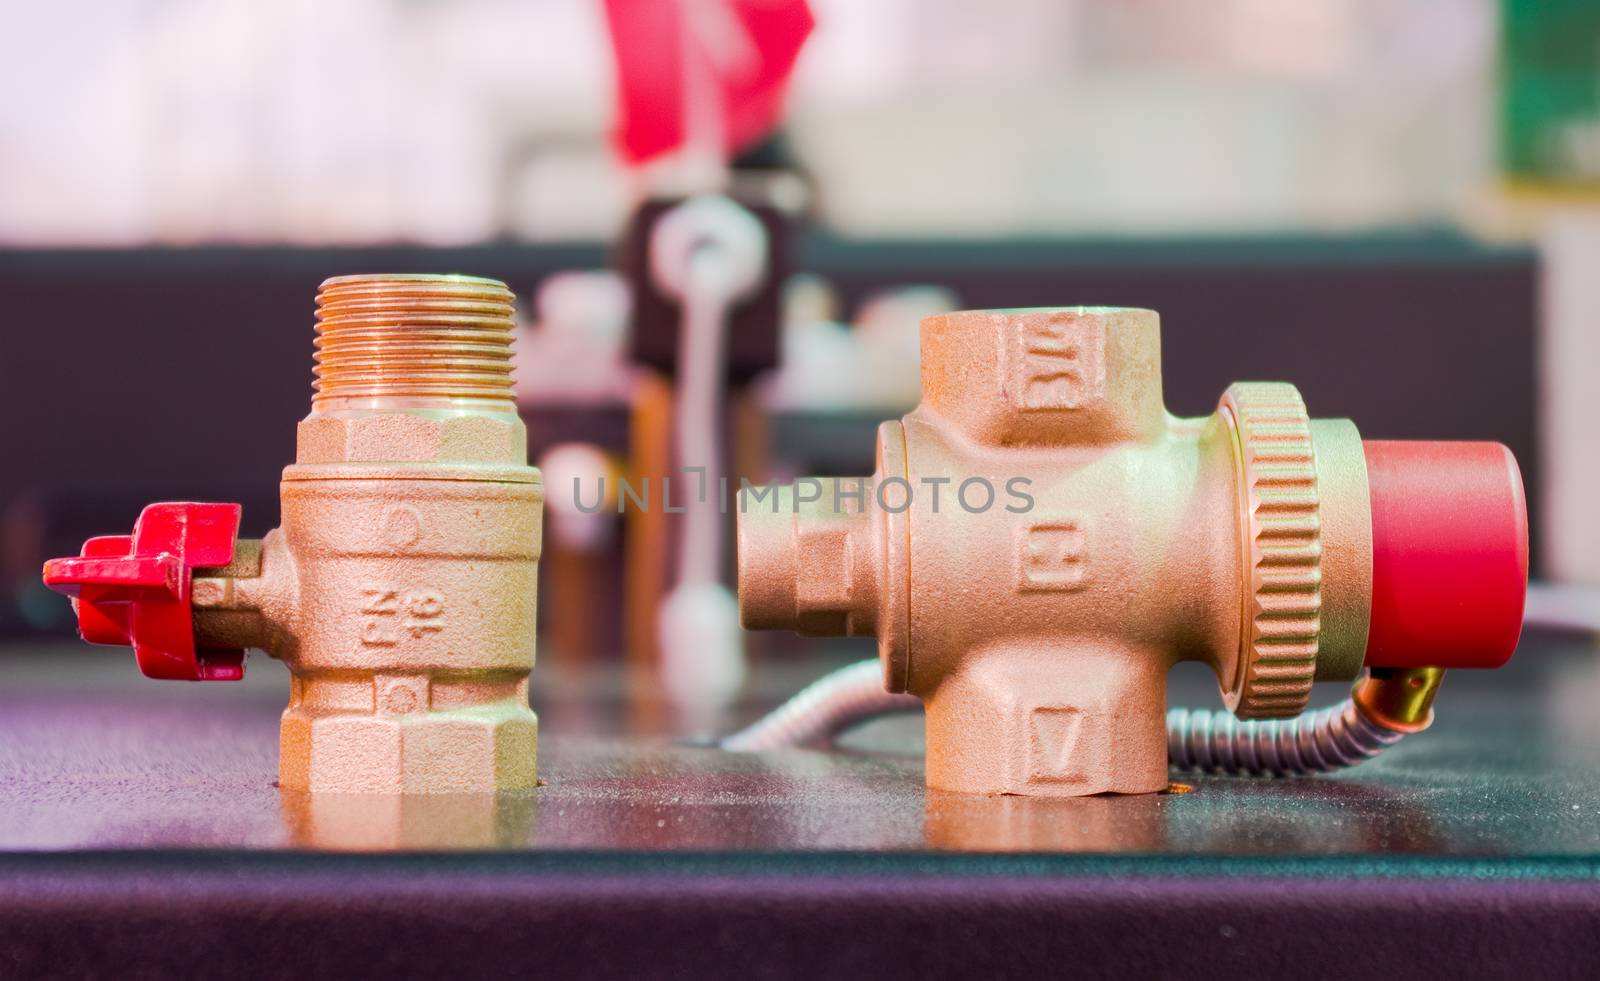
[
  {"x": 469, "y": 750},
  {"x": 424, "y": 436}
]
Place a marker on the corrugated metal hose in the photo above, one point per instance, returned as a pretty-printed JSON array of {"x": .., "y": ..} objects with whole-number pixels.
[
  {"x": 1197, "y": 739},
  {"x": 1212, "y": 740}
]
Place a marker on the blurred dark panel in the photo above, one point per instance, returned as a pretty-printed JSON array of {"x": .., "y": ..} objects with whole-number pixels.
[
  {"x": 135, "y": 375},
  {"x": 131, "y": 376},
  {"x": 183, "y": 369}
]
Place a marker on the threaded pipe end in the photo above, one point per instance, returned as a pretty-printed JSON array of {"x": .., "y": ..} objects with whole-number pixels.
[{"x": 415, "y": 339}]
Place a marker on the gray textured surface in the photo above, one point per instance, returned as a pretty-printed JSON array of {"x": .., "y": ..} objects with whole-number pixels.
[{"x": 94, "y": 757}]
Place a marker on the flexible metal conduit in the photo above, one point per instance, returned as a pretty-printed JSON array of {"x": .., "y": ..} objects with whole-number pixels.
[
  {"x": 1316, "y": 742},
  {"x": 1332, "y": 738}
]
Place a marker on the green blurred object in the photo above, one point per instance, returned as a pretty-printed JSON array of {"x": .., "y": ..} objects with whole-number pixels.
[{"x": 1550, "y": 92}]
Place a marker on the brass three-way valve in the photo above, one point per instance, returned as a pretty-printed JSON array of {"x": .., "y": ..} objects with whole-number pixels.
[{"x": 1042, "y": 541}]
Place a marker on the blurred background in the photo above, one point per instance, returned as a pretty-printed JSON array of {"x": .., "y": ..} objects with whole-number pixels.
[
  {"x": 452, "y": 122},
  {"x": 1391, "y": 203}
]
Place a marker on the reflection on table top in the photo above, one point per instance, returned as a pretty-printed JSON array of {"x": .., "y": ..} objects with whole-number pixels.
[{"x": 94, "y": 757}]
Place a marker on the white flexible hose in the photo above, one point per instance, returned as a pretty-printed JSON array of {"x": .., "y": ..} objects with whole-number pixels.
[{"x": 822, "y": 708}]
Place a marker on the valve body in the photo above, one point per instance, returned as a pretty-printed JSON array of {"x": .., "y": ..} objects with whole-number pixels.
[
  {"x": 400, "y": 589},
  {"x": 1042, "y": 541}
]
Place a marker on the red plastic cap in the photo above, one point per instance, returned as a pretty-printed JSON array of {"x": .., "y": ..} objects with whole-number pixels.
[
  {"x": 135, "y": 589},
  {"x": 1449, "y": 554}
]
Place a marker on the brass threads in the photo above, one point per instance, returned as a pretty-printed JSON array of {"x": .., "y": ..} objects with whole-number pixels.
[{"x": 413, "y": 339}]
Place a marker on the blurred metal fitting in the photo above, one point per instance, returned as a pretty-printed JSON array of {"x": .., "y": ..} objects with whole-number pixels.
[
  {"x": 1042, "y": 541},
  {"x": 400, "y": 589}
]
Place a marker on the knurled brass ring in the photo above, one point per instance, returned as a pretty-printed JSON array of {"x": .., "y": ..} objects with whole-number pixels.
[{"x": 1281, "y": 529}]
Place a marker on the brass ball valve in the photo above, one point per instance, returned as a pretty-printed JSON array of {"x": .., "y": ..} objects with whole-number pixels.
[
  {"x": 400, "y": 588},
  {"x": 1042, "y": 541}
]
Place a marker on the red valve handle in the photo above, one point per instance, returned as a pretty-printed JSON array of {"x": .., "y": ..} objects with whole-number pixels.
[{"x": 135, "y": 589}]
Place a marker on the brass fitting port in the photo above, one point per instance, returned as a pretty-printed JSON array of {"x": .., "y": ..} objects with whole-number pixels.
[{"x": 1400, "y": 699}]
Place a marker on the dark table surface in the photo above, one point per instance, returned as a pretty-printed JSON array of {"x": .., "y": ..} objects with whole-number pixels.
[
  {"x": 133, "y": 811},
  {"x": 92, "y": 756}
]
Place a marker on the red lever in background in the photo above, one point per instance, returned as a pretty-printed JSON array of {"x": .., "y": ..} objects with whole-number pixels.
[
  {"x": 1449, "y": 554},
  {"x": 740, "y": 51},
  {"x": 135, "y": 589}
]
